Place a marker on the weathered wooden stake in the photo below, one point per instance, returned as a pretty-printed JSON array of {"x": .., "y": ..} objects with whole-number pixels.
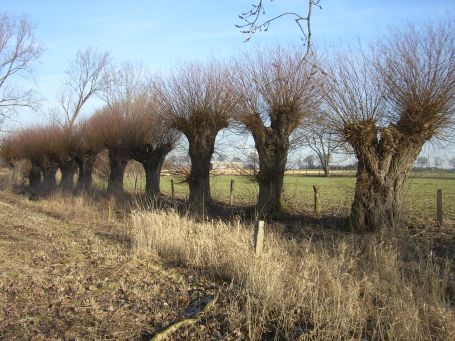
[
  {"x": 317, "y": 208},
  {"x": 259, "y": 238},
  {"x": 439, "y": 211},
  {"x": 109, "y": 209},
  {"x": 231, "y": 192},
  {"x": 172, "y": 188}
]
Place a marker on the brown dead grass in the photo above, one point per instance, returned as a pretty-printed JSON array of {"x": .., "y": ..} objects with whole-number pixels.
[
  {"x": 67, "y": 271},
  {"x": 334, "y": 288}
]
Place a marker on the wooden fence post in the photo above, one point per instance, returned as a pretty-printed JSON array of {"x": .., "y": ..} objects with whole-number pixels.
[
  {"x": 172, "y": 188},
  {"x": 439, "y": 210},
  {"x": 231, "y": 192},
  {"x": 110, "y": 208},
  {"x": 259, "y": 238},
  {"x": 317, "y": 208}
]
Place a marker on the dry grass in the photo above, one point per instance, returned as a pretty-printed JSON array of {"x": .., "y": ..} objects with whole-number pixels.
[
  {"x": 336, "y": 287},
  {"x": 68, "y": 272},
  {"x": 63, "y": 279}
]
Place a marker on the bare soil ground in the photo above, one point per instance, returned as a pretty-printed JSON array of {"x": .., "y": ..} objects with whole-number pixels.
[{"x": 61, "y": 279}]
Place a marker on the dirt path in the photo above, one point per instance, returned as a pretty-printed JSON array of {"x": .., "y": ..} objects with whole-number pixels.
[{"x": 60, "y": 280}]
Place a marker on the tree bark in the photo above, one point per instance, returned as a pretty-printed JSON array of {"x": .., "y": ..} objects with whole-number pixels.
[
  {"x": 152, "y": 178},
  {"x": 48, "y": 169},
  {"x": 270, "y": 189},
  {"x": 327, "y": 172},
  {"x": 152, "y": 159},
  {"x": 199, "y": 183},
  {"x": 34, "y": 177},
  {"x": 68, "y": 170},
  {"x": 117, "y": 164},
  {"x": 17, "y": 167},
  {"x": 201, "y": 148},
  {"x": 272, "y": 148},
  {"x": 85, "y": 165},
  {"x": 326, "y": 167},
  {"x": 376, "y": 202},
  {"x": 385, "y": 157},
  {"x": 49, "y": 181}
]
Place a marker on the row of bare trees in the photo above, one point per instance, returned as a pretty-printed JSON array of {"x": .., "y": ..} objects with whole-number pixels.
[{"x": 385, "y": 103}]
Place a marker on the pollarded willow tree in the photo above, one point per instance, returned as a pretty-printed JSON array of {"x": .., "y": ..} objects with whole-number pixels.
[
  {"x": 12, "y": 151},
  {"x": 146, "y": 137},
  {"x": 67, "y": 142},
  {"x": 90, "y": 145},
  {"x": 387, "y": 104},
  {"x": 150, "y": 140},
  {"x": 37, "y": 145},
  {"x": 197, "y": 99},
  {"x": 110, "y": 124},
  {"x": 276, "y": 90}
]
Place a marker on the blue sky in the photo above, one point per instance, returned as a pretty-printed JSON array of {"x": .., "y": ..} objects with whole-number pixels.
[{"x": 159, "y": 33}]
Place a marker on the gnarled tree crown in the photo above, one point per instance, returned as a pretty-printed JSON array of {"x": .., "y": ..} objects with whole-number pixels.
[
  {"x": 131, "y": 117},
  {"x": 403, "y": 88},
  {"x": 196, "y": 97},
  {"x": 275, "y": 88},
  {"x": 417, "y": 67}
]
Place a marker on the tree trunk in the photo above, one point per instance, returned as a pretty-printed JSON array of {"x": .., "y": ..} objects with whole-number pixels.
[
  {"x": 117, "y": 164},
  {"x": 199, "y": 183},
  {"x": 326, "y": 171},
  {"x": 152, "y": 159},
  {"x": 201, "y": 149},
  {"x": 85, "y": 165},
  {"x": 325, "y": 162},
  {"x": 34, "y": 177},
  {"x": 67, "y": 182},
  {"x": 377, "y": 199},
  {"x": 385, "y": 157},
  {"x": 272, "y": 148},
  {"x": 152, "y": 177},
  {"x": 270, "y": 189},
  {"x": 49, "y": 181}
]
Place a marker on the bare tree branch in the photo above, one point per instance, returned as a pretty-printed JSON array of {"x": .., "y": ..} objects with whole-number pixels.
[
  {"x": 321, "y": 138},
  {"x": 18, "y": 50},
  {"x": 252, "y": 24},
  {"x": 85, "y": 78}
]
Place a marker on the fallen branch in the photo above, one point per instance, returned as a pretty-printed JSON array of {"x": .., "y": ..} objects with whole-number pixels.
[{"x": 162, "y": 335}]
